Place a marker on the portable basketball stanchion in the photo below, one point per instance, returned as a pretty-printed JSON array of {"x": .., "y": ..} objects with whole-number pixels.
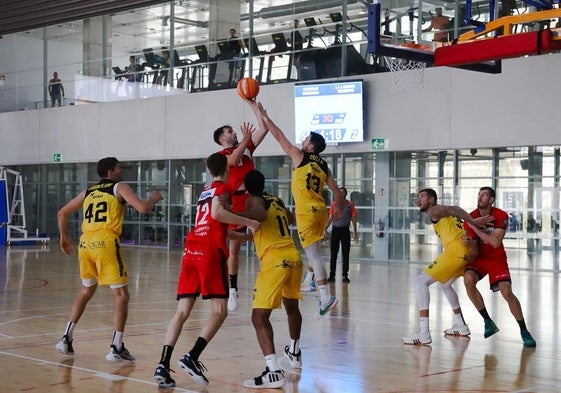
[{"x": 16, "y": 231}]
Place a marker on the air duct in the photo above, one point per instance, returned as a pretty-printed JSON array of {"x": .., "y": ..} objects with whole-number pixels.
[{"x": 301, "y": 7}]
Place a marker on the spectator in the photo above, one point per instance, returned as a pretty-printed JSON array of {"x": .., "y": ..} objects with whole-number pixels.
[
  {"x": 132, "y": 70},
  {"x": 56, "y": 90},
  {"x": 440, "y": 23}
]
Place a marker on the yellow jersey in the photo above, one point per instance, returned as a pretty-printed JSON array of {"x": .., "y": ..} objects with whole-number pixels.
[
  {"x": 308, "y": 181},
  {"x": 449, "y": 229},
  {"x": 274, "y": 232},
  {"x": 102, "y": 210}
]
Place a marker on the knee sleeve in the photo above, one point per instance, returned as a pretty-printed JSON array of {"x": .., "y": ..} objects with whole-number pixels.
[
  {"x": 315, "y": 261},
  {"x": 450, "y": 294},
  {"x": 422, "y": 282}
]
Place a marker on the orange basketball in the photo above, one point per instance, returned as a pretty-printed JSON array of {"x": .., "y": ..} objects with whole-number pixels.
[{"x": 248, "y": 88}]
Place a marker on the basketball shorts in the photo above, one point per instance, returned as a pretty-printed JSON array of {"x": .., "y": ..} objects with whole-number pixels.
[
  {"x": 497, "y": 269},
  {"x": 238, "y": 205},
  {"x": 310, "y": 223},
  {"x": 203, "y": 272},
  {"x": 100, "y": 259},
  {"x": 279, "y": 276},
  {"x": 450, "y": 264}
]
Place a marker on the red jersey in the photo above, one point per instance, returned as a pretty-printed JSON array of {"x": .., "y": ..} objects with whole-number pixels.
[
  {"x": 238, "y": 172},
  {"x": 487, "y": 251},
  {"x": 207, "y": 230}
]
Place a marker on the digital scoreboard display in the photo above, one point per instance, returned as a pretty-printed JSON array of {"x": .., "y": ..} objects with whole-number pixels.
[{"x": 332, "y": 109}]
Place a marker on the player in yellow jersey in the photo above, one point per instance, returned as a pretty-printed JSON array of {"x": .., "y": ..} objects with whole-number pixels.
[
  {"x": 278, "y": 279},
  {"x": 447, "y": 222},
  {"x": 309, "y": 177},
  {"x": 103, "y": 206}
]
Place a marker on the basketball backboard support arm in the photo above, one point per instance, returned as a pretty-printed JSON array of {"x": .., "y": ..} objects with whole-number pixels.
[{"x": 377, "y": 48}]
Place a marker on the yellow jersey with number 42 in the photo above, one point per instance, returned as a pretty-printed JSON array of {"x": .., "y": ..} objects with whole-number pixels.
[{"x": 102, "y": 210}]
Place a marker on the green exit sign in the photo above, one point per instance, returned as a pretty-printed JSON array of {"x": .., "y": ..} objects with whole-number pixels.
[
  {"x": 380, "y": 143},
  {"x": 57, "y": 157}
]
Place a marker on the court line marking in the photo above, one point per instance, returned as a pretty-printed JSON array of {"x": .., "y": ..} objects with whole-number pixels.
[{"x": 95, "y": 373}]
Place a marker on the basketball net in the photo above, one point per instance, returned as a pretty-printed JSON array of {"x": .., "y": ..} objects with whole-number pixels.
[{"x": 407, "y": 75}]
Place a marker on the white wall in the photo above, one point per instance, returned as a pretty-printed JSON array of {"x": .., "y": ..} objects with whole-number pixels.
[{"x": 458, "y": 109}]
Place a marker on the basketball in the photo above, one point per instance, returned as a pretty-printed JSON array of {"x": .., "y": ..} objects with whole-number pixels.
[{"x": 248, "y": 88}]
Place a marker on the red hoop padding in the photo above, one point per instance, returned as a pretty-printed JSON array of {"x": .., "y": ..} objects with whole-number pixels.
[{"x": 503, "y": 47}]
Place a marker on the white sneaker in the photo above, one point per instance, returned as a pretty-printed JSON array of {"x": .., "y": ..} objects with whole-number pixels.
[
  {"x": 267, "y": 380},
  {"x": 419, "y": 338},
  {"x": 64, "y": 346},
  {"x": 325, "y": 307},
  {"x": 308, "y": 286},
  {"x": 233, "y": 300},
  {"x": 295, "y": 359},
  {"x": 457, "y": 330}
]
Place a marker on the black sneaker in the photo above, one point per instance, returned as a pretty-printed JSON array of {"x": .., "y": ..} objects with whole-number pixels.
[
  {"x": 346, "y": 279},
  {"x": 267, "y": 380},
  {"x": 162, "y": 377},
  {"x": 194, "y": 368},
  {"x": 331, "y": 279}
]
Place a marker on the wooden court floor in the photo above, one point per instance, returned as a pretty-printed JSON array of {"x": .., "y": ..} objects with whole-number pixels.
[{"x": 355, "y": 348}]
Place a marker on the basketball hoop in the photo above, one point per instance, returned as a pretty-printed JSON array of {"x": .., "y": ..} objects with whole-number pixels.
[{"x": 407, "y": 75}]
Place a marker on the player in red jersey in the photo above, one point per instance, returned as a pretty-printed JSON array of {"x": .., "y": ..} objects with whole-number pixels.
[
  {"x": 203, "y": 272},
  {"x": 492, "y": 261},
  {"x": 240, "y": 162}
]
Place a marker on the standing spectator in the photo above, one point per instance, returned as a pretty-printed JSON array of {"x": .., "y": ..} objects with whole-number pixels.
[
  {"x": 447, "y": 267},
  {"x": 341, "y": 234},
  {"x": 297, "y": 42},
  {"x": 240, "y": 161},
  {"x": 440, "y": 23},
  {"x": 278, "y": 279},
  {"x": 103, "y": 206},
  {"x": 492, "y": 261},
  {"x": 56, "y": 90},
  {"x": 310, "y": 175},
  {"x": 203, "y": 273}
]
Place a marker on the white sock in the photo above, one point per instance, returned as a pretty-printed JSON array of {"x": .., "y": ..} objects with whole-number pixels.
[
  {"x": 309, "y": 276},
  {"x": 69, "y": 330},
  {"x": 324, "y": 293},
  {"x": 271, "y": 361},
  {"x": 459, "y": 319},
  {"x": 424, "y": 324},
  {"x": 118, "y": 339}
]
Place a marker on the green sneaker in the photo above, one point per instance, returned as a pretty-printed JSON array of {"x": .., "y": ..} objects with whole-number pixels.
[
  {"x": 490, "y": 328},
  {"x": 527, "y": 339}
]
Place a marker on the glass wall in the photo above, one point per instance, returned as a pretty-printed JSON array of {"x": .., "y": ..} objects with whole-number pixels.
[
  {"x": 526, "y": 181},
  {"x": 178, "y": 47}
]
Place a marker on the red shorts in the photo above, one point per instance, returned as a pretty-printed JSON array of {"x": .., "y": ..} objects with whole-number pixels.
[
  {"x": 497, "y": 269},
  {"x": 203, "y": 272},
  {"x": 238, "y": 205}
]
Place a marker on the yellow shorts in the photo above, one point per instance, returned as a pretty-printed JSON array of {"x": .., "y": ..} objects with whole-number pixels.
[
  {"x": 310, "y": 223},
  {"x": 450, "y": 264},
  {"x": 100, "y": 259},
  {"x": 279, "y": 276}
]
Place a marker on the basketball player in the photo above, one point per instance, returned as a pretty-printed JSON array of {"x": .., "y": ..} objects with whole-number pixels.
[
  {"x": 447, "y": 267},
  {"x": 309, "y": 177},
  {"x": 278, "y": 279},
  {"x": 203, "y": 272},
  {"x": 103, "y": 206},
  {"x": 240, "y": 161},
  {"x": 491, "y": 260}
]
